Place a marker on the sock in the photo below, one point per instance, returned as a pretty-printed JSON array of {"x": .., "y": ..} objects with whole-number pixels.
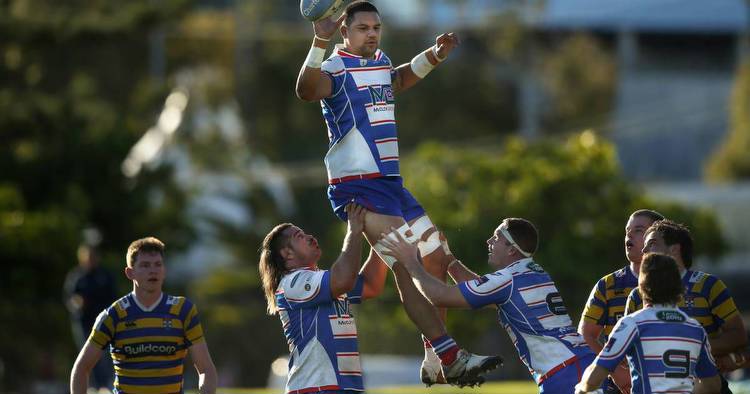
[{"x": 446, "y": 348}]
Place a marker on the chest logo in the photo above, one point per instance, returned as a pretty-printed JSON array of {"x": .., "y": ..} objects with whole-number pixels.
[{"x": 380, "y": 95}]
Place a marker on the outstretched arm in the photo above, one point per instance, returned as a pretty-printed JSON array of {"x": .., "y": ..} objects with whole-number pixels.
[
  {"x": 408, "y": 74},
  {"x": 345, "y": 269},
  {"x": 313, "y": 84},
  {"x": 457, "y": 270},
  {"x": 437, "y": 292}
]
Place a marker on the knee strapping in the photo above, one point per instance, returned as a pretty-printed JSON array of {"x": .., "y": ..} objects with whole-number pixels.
[
  {"x": 389, "y": 260},
  {"x": 419, "y": 228}
]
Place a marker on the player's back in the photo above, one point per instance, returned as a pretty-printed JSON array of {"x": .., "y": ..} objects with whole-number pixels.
[
  {"x": 666, "y": 348},
  {"x": 537, "y": 320}
]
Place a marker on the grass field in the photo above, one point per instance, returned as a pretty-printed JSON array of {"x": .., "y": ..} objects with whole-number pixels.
[{"x": 487, "y": 388}]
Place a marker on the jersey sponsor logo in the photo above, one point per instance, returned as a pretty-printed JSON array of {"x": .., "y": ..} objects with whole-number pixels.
[
  {"x": 307, "y": 287},
  {"x": 172, "y": 300},
  {"x": 342, "y": 307},
  {"x": 149, "y": 349},
  {"x": 381, "y": 95},
  {"x": 535, "y": 267},
  {"x": 481, "y": 280},
  {"x": 166, "y": 322},
  {"x": 670, "y": 316},
  {"x": 696, "y": 276},
  {"x": 622, "y": 326},
  {"x": 130, "y": 324},
  {"x": 124, "y": 303}
]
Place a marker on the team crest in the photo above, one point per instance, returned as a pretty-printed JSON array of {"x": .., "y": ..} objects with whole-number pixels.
[
  {"x": 172, "y": 300},
  {"x": 124, "y": 303},
  {"x": 362, "y": 62},
  {"x": 534, "y": 267}
]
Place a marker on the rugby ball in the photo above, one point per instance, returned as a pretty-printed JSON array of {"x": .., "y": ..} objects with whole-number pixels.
[{"x": 314, "y": 10}]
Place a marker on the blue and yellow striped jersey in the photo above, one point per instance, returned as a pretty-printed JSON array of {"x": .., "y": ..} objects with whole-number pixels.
[
  {"x": 706, "y": 300},
  {"x": 148, "y": 345},
  {"x": 606, "y": 304}
]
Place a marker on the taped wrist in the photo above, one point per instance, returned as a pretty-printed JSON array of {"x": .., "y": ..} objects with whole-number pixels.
[
  {"x": 315, "y": 57},
  {"x": 420, "y": 65}
]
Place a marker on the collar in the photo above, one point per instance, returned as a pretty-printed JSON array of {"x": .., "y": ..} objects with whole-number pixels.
[
  {"x": 519, "y": 264},
  {"x": 341, "y": 51},
  {"x": 152, "y": 307}
]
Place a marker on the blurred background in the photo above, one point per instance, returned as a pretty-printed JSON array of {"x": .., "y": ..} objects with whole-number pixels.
[{"x": 178, "y": 119}]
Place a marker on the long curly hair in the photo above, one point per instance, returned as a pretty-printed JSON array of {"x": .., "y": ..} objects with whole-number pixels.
[{"x": 271, "y": 264}]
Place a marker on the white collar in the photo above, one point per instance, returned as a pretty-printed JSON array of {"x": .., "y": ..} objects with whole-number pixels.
[{"x": 152, "y": 307}]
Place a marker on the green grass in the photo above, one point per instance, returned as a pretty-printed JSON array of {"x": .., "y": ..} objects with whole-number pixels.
[{"x": 487, "y": 388}]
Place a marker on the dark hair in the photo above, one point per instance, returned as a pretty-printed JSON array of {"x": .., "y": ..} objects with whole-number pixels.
[
  {"x": 660, "y": 281},
  {"x": 674, "y": 233},
  {"x": 271, "y": 265},
  {"x": 358, "y": 6},
  {"x": 146, "y": 245},
  {"x": 649, "y": 213},
  {"x": 524, "y": 234}
]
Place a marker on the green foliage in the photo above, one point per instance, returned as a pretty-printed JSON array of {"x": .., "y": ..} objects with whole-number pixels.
[
  {"x": 579, "y": 77},
  {"x": 731, "y": 161},
  {"x": 76, "y": 95}
]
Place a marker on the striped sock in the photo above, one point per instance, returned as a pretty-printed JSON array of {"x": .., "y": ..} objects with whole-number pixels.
[{"x": 446, "y": 348}]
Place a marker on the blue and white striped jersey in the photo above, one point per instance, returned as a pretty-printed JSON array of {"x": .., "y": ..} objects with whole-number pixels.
[
  {"x": 360, "y": 116},
  {"x": 321, "y": 333},
  {"x": 532, "y": 312},
  {"x": 664, "y": 347}
]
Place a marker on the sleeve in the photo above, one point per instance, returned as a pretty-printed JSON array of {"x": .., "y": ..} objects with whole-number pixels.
[
  {"x": 307, "y": 289},
  {"x": 488, "y": 289},
  {"x": 595, "y": 310},
  {"x": 103, "y": 330},
  {"x": 721, "y": 302},
  {"x": 355, "y": 295},
  {"x": 192, "y": 324},
  {"x": 705, "y": 367},
  {"x": 335, "y": 69},
  {"x": 618, "y": 344},
  {"x": 634, "y": 303}
]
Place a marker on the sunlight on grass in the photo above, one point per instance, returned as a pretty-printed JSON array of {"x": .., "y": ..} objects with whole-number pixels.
[{"x": 487, "y": 388}]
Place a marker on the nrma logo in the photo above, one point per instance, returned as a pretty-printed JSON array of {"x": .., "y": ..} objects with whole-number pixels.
[
  {"x": 149, "y": 349},
  {"x": 381, "y": 94}
]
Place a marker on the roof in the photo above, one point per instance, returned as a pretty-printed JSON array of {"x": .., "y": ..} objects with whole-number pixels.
[{"x": 678, "y": 16}]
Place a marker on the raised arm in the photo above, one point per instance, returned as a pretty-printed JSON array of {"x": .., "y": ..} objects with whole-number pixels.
[
  {"x": 345, "y": 269},
  {"x": 457, "y": 270},
  {"x": 204, "y": 365},
  {"x": 374, "y": 272},
  {"x": 408, "y": 74},
  {"x": 312, "y": 83}
]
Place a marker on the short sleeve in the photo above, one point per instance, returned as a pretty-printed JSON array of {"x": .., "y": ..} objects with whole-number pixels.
[
  {"x": 634, "y": 303},
  {"x": 192, "y": 324},
  {"x": 494, "y": 288},
  {"x": 335, "y": 69},
  {"x": 307, "y": 289},
  {"x": 722, "y": 303},
  {"x": 103, "y": 330},
  {"x": 595, "y": 310},
  {"x": 620, "y": 340}
]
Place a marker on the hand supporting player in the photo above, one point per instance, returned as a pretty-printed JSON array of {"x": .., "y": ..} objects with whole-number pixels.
[
  {"x": 325, "y": 28},
  {"x": 355, "y": 218},
  {"x": 405, "y": 252}
]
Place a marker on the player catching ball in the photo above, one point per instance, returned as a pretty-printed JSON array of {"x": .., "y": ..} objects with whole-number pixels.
[{"x": 357, "y": 86}]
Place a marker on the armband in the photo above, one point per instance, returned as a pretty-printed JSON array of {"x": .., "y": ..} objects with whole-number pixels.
[
  {"x": 315, "y": 57},
  {"x": 421, "y": 66}
]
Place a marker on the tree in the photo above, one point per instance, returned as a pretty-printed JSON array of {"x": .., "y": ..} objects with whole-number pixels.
[
  {"x": 76, "y": 94},
  {"x": 731, "y": 161}
]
